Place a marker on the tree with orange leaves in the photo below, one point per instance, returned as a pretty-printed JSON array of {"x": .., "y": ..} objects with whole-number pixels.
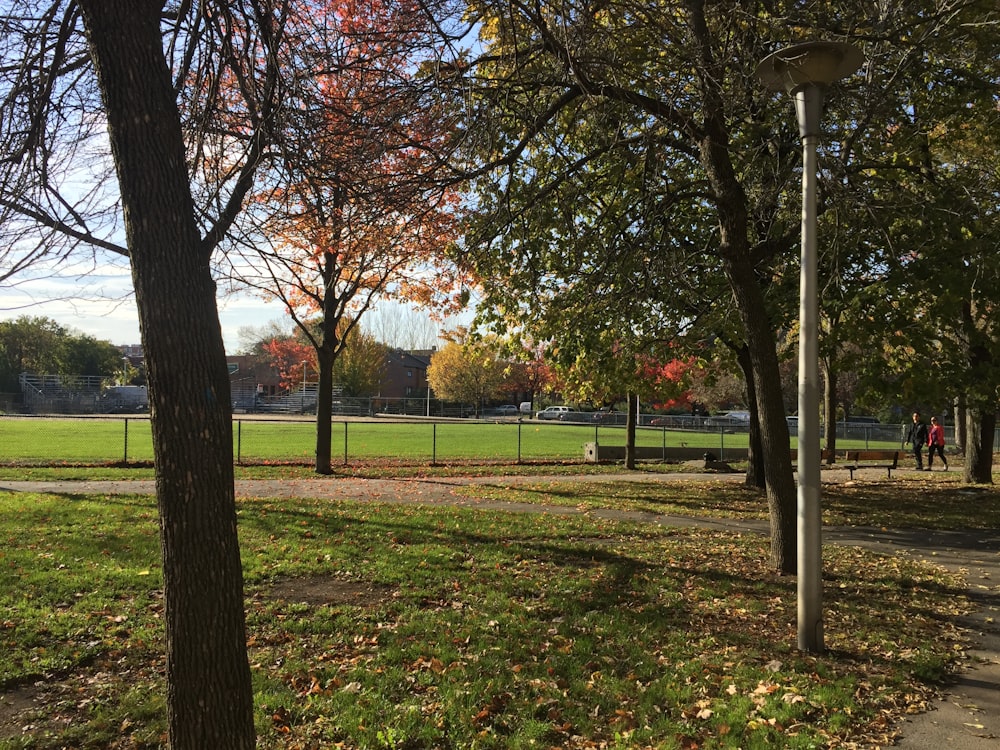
[{"x": 359, "y": 213}]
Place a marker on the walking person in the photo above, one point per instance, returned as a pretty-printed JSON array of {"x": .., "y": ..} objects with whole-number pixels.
[
  {"x": 935, "y": 442},
  {"x": 917, "y": 436}
]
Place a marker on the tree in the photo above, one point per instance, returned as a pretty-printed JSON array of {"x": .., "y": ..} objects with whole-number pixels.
[
  {"x": 253, "y": 339},
  {"x": 612, "y": 371},
  {"x": 361, "y": 364},
  {"x": 40, "y": 345},
  {"x": 625, "y": 142},
  {"x": 291, "y": 357},
  {"x": 95, "y": 83},
  {"x": 466, "y": 373},
  {"x": 667, "y": 384},
  {"x": 359, "y": 213},
  {"x": 528, "y": 374},
  {"x": 631, "y": 143},
  {"x": 914, "y": 295}
]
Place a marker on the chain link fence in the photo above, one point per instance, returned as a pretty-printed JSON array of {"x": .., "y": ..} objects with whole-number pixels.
[{"x": 261, "y": 439}]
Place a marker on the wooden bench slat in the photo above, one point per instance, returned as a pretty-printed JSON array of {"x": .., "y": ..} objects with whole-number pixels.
[{"x": 855, "y": 459}]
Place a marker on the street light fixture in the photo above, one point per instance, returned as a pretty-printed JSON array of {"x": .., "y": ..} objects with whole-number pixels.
[{"x": 803, "y": 71}]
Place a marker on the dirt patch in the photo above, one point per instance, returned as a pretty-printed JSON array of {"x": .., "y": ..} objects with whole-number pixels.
[
  {"x": 14, "y": 707},
  {"x": 327, "y": 591}
]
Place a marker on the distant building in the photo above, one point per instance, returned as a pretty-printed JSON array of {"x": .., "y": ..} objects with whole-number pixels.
[
  {"x": 253, "y": 379},
  {"x": 405, "y": 374}
]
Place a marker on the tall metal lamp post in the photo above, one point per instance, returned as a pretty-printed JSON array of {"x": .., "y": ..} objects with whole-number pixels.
[
  {"x": 804, "y": 71},
  {"x": 302, "y": 396}
]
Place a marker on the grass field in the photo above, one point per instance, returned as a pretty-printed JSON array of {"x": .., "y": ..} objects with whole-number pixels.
[
  {"x": 106, "y": 440},
  {"x": 388, "y": 627}
]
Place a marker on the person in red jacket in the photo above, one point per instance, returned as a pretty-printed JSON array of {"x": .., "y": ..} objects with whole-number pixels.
[{"x": 935, "y": 442}]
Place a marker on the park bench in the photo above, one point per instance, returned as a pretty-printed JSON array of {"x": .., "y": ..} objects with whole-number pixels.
[{"x": 872, "y": 459}]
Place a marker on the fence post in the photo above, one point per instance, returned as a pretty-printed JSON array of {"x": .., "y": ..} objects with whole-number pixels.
[
  {"x": 125, "y": 457},
  {"x": 345, "y": 442},
  {"x": 434, "y": 444},
  {"x": 239, "y": 442},
  {"x": 519, "y": 440}
]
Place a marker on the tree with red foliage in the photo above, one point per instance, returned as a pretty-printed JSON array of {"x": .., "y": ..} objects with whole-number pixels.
[
  {"x": 292, "y": 359},
  {"x": 359, "y": 214},
  {"x": 667, "y": 384}
]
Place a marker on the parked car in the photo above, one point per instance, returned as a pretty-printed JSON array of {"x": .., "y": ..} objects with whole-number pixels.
[
  {"x": 729, "y": 419},
  {"x": 553, "y": 412},
  {"x": 525, "y": 408},
  {"x": 507, "y": 410},
  {"x": 605, "y": 415},
  {"x": 679, "y": 421}
]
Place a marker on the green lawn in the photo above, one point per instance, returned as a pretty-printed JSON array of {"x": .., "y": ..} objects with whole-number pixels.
[
  {"x": 384, "y": 626},
  {"x": 107, "y": 440}
]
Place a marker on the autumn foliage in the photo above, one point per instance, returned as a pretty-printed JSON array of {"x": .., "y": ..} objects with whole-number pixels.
[{"x": 358, "y": 211}]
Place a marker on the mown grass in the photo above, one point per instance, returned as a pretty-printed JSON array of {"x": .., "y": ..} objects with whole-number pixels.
[
  {"x": 909, "y": 500},
  {"x": 256, "y": 441},
  {"x": 387, "y": 626}
]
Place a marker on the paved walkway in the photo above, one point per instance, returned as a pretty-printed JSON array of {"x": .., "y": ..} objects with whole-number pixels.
[{"x": 966, "y": 718}]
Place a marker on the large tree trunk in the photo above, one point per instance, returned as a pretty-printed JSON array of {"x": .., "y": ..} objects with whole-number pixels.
[
  {"x": 209, "y": 692},
  {"x": 738, "y": 263},
  {"x": 980, "y": 428},
  {"x": 980, "y": 410},
  {"x": 324, "y": 412},
  {"x": 780, "y": 484}
]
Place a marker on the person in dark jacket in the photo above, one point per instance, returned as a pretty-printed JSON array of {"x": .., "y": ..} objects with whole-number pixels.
[{"x": 917, "y": 436}]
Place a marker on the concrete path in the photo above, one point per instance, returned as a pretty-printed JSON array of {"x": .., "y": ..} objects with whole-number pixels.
[{"x": 967, "y": 717}]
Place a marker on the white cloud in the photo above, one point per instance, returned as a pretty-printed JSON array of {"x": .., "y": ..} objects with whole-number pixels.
[{"x": 111, "y": 315}]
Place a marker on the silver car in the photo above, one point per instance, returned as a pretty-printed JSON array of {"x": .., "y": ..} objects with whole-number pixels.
[{"x": 553, "y": 412}]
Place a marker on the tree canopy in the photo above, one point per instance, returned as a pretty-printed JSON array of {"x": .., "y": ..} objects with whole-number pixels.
[{"x": 41, "y": 346}]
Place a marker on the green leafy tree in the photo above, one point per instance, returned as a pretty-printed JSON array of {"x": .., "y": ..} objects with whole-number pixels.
[
  {"x": 911, "y": 286},
  {"x": 86, "y": 355},
  {"x": 28, "y": 345},
  {"x": 468, "y": 373},
  {"x": 624, "y": 184},
  {"x": 359, "y": 368},
  {"x": 637, "y": 166},
  {"x": 41, "y": 346}
]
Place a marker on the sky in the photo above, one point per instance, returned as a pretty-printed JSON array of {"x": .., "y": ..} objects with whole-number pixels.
[{"x": 102, "y": 305}]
